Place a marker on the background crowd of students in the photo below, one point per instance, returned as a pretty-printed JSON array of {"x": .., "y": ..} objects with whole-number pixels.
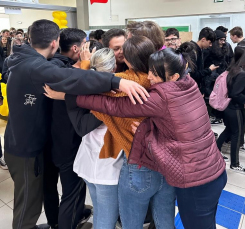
[{"x": 132, "y": 166}]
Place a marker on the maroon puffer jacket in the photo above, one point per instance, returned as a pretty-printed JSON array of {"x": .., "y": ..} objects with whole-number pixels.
[{"x": 176, "y": 140}]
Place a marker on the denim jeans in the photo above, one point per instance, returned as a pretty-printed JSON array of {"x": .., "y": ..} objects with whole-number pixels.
[
  {"x": 105, "y": 203},
  {"x": 198, "y": 205},
  {"x": 139, "y": 187}
]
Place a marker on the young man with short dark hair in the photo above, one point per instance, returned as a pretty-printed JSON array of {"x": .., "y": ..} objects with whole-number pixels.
[
  {"x": 29, "y": 119},
  {"x": 172, "y": 39},
  {"x": 205, "y": 40},
  {"x": 114, "y": 39},
  {"x": 236, "y": 35},
  {"x": 64, "y": 146}
]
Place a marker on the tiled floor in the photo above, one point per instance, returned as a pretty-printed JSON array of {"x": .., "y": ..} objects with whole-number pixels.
[{"x": 230, "y": 211}]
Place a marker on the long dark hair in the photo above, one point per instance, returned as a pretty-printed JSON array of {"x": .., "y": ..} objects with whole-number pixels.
[
  {"x": 137, "y": 51},
  {"x": 172, "y": 61},
  {"x": 237, "y": 65}
]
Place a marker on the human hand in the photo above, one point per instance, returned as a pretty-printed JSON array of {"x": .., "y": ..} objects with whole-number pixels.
[
  {"x": 135, "y": 126},
  {"x": 213, "y": 67},
  {"x": 85, "y": 54},
  {"x": 133, "y": 90},
  {"x": 53, "y": 94}
]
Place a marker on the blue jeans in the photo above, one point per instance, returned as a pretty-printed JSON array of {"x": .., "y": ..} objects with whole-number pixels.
[
  {"x": 198, "y": 205},
  {"x": 139, "y": 187},
  {"x": 105, "y": 203}
]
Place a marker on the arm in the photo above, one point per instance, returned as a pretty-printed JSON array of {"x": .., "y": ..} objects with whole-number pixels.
[
  {"x": 122, "y": 107},
  {"x": 82, "y": 120}
]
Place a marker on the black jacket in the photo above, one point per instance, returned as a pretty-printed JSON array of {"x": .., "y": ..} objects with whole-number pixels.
[
  {"x": 236, "y": 91},
  {"x": 82, "y": 120},
  {"x": 65, "y": 140},
  {"x": 29, "y": 112},
  {"x": 217, "y": 59},
  {"x": 200, "y": 72}
]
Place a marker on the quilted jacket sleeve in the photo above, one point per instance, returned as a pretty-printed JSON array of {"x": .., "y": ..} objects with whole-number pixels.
[{"x": 122, "y": 107}]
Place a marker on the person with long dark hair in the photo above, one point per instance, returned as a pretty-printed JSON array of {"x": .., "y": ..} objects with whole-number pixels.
[
  {"x": 233, "y": 114},
  {"x": 175, "y": 143}
]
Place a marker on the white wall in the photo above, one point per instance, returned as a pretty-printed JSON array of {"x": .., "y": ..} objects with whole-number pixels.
[
  {"x": 100, "y": 13},
  {"x": 4, "y": 22},
  {"x": 71, "y": 3}
]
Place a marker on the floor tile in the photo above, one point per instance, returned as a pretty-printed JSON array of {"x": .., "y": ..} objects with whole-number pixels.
[
  {"x": 234, "y": 189},
  {"x": 42, "y": 219},
  {"x": 232, "y": 201},
  {"x": 228, "y": 218},
  {"x": 6, "y": 216},
  {"x": 1, "y": 203},
  {"x": 4, "y": 175},
  {"x": 7, "y": 190},
  {"x": 236, "y": 178}
]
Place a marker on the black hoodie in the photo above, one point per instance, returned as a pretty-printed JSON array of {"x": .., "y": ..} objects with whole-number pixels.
[
  {"x": 65, "y": 140},
  {"x": 29, "y": 113}
]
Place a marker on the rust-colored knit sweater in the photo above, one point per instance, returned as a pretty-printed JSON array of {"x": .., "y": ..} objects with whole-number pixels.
[{"x": 119, "y": 134}]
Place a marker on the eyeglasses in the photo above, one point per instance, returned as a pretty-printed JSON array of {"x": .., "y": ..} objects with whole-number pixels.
[
  {"x": 171, "y": 39},
  {"x": 222, "y": 40}
]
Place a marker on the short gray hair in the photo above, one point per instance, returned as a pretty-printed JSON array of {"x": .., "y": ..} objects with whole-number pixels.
[{"x": 103, "y": 60}]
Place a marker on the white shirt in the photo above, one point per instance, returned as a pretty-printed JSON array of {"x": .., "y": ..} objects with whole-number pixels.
[{"x": 89, "y": 166}]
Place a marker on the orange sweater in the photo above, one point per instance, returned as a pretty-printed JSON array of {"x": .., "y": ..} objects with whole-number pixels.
[{"x": 119, "y": 134}]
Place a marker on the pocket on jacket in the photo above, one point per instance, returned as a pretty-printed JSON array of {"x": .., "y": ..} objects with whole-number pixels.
[{"x": 139, "y": 178}]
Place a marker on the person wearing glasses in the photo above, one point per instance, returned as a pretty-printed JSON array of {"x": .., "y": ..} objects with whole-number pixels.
[{"x": 172, "y": 39}]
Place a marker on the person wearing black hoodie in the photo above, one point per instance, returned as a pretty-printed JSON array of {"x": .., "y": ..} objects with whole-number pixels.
[
  {"x": 64, "y": 146},
  {"x": 29, "y": 119},
  {"x": 217, "y": 55},
  {"x": 205, "y": 40}
]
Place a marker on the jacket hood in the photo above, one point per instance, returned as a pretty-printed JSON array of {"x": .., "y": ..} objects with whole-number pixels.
[
  {"x": 66, "y": 60},
  {"x": 22, "y": 52}
]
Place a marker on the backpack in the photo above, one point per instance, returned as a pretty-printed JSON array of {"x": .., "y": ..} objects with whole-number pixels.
[{"x": 218, "y": 98}]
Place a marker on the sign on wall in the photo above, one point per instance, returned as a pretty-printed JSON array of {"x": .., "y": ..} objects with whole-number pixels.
[
  {"x": 12, "y": 10},
  {"x": 23, "y": 1}
]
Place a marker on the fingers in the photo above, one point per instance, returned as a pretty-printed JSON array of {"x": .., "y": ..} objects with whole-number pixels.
[
  {"x": 134, "y": 128},
  {"x": 113, "y": 92},
  {"x": 136, "y": 124},
  {"x": 131, "y": 98},
  {"x": 136, "y": 96},
  {"x": 94, "y": 50}
]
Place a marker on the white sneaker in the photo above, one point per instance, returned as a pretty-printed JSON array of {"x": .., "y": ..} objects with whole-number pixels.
[
  {"x": 239, "y": 168},
  {"x": 3, "y": 164}
]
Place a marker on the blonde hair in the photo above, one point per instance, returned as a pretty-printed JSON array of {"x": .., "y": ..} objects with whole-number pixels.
[{"x": 103, "y": 60}]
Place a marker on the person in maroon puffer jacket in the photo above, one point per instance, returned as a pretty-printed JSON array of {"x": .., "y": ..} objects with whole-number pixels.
[{"x": 176, "y": 140}]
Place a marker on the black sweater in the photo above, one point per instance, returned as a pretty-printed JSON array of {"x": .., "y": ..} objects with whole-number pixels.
[
  {"x": 29, "y": 111},
  {"x": 65, "y": 140},
  {"x": 237, "y": 91}
]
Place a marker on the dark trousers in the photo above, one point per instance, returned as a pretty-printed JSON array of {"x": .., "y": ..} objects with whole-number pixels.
[
  {"x": 1, "y": 152},
  {"x": 233, "y": 120},
  {"x": 71, "y": 208},
  {"x": 27, "y": 174},
  {"x": 198, "y": 205},
  {"x": 50, "y": 191},
  {"x": 72, "y": 201}
]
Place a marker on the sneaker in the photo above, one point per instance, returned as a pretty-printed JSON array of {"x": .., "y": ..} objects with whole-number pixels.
[
  {"x": 43, "y": 226},
  {"x": 86, "y": 216},
  {"x": 239, "y": 168},
  {"x": 216, "y": 135},
  {"x": 216, "y": 121},
  {"x": 3, "y": 164},
  {"x": 224, "y": 157},
  {"x": 242, "y": 148}
]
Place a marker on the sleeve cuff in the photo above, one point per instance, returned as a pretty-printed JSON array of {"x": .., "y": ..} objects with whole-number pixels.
[
  {"x": 115, "y": 81},
  {"x": 71, "y": 101}
]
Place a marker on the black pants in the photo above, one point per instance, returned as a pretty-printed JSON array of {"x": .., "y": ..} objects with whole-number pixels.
[
  {"x": 198, "y": 205},
  {"x": 71, "y": 207},
  {"x": 233, "y": 120},
  {"x": 50, "y": 191},
  {"x": 27, "y": 174}
]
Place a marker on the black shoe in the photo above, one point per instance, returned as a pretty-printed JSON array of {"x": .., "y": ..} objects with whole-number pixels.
[
  {"x": 43, "y": 226},
  {"x": 86, "y": 216},
  {"x": 225, "y": 158},
  {"x": 216, "y": 135},
  {"x": 238, "y": 168},
  {"x": 216, "y": 121}
]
